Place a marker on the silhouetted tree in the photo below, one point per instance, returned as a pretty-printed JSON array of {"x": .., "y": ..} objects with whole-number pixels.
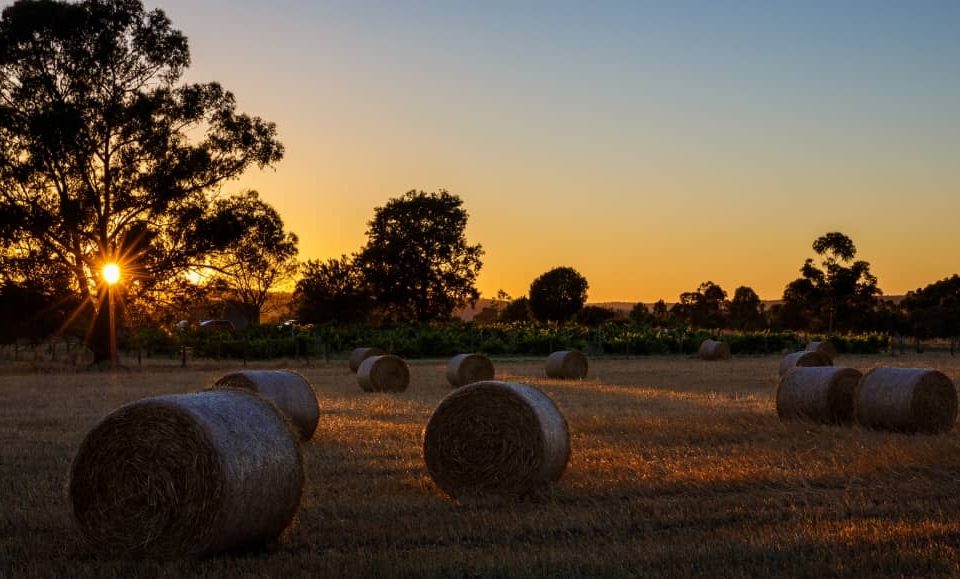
[
  {"x": 595, "y": 315},
  {"x": 558, "y": 294},
  {"x": 491, "y": 313},
  {"x": 260, "y": 259},
  {"x": 641, "y": 316},
  {"x": 661, "y": 314},
  {"x": 835, "y": 295},
  {"x": 703, "y": 308},
  {"x": 746, "y": 310},
  {"x": 517, "y": 310},
  {"x": 33, "y": 311},
  {"x": 934, "y": 310},
  {"x": 332, "y": 291},
  {"x": 417, "y": 260},
  {"x": 103, "y": 156}
]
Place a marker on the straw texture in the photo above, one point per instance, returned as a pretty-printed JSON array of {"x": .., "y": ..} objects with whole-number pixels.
[
  {"x": 495, "y": 438},
  {"x": 465, "y": 369},
  {"x": 906, "y": 400},
  {"x": 289, "y": 390},
  {"x": 804, "y": 359},
  {"x": 817, "y": 393},
  {"x": 822, "y": 347},
  {"x": 714, "y": 350},
  {"x": 383, "y": 374},
  {"x": 187, "y": 475},
  {"x": 358, "y": 355},
  {"x": 567, "y": 365}
]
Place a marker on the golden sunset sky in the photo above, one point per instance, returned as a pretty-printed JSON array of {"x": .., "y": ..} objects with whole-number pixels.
[{"x": 649, "y": 145}]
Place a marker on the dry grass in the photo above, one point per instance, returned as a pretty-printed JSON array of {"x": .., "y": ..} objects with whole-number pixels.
[{"x": 678, "y": 467}]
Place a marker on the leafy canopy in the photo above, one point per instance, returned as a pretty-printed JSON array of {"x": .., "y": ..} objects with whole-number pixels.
[
  {"x": 558, "y": 294},
  {"x": 417, "y": 261},
  {"x": 103, "y": 155},
  {"x": 840, "y": 294}
]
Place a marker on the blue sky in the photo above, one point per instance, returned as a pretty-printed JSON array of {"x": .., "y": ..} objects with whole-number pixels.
[{"x": 651, "y": 146}]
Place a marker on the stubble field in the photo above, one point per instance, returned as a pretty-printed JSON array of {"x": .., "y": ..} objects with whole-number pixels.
[{"x": 678, "y": 467}]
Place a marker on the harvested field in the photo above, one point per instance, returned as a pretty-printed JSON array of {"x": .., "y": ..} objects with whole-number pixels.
[{"x": 677, "y": 468}]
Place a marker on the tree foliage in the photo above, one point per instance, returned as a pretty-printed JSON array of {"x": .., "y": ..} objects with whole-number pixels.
[
  {"x": 558, "y": 294},
  {"x": 841, "y": 294},
  {"x": 745, "y": 311},
  {"x": 641, "y": 316},
  {"x": 103, "y": 154},
  {"x": 517, "y": 310},
  {"x": 332, "y": 291},
  {"x": 256, "y": 254},
  {"x": 417, "y": 261},
  {"x": 934, "y": 311},
  {"x": 703, "y": 308},
  {"x": 32, "y": 310},
  {"x": 593, "y": 316}
]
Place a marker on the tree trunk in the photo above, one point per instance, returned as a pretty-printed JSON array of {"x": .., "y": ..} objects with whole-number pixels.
[{"x": 98, "y": 339}]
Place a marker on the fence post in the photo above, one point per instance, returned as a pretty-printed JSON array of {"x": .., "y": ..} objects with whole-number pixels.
[{"x": 183, "y": 356}]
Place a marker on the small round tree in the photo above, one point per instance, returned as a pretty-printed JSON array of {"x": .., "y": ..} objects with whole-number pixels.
[{"x": 558, "y": 294}]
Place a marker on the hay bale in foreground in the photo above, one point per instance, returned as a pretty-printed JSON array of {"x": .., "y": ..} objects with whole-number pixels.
[
  {"x": 187, "y": 475},
  {"x": 817, "y": 393},
  {"x": 906, "y": 400},
  {"x": 567, "y": 365},
  {"x": 804, "y": 359},
  {"x": 384, "y": 374},
  {"x": 822, "y": 347},
  {"x": 358, "y": 355},
  {"x": 289, "y": 390},
  {"x": 497, "y": 438},
  {"x": 465, "y": 369},
  {"x": 714, "y": 350}
]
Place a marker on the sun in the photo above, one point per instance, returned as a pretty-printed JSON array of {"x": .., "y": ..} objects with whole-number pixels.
[{"x": 111, "y": 273}]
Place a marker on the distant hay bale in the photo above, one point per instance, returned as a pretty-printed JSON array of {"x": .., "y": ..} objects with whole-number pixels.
[
  {"x": 358, "y": 355},
  {"x": 495, "y": 437},
  {"x": 906, "y": 400},
  {"x": 714, "y": 350},
  {"x": 289, "y": 390},
  {"x": 384, "y": 374},
  {"x": 567, "y": 365},
  {"x": 822, "y": 347},
  {"x": 817, "y": 393},
  {"x": 804, "y": 359},
  {"x": 187, "y": 475},
  {"x": 465, "y": 369}
]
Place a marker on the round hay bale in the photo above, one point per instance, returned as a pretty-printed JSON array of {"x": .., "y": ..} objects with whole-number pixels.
[
  {"x": 714, "y": 350},
  {"x": 822, "y": 347},
  {"x": 358, "y": 355},
  {"x": 289, "y": 390},
  {"x": 906, "y": 400},
  {"x": 465, "y": 369},
  {"x": 497, "y": 438},
  {"x": 384, "y": 374},
  {"x": 187, "y": 475},
  {"x": 804, "y": 359},
  {"x": 567, "y": 365},
  {"x": 817, "y": 393}
]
